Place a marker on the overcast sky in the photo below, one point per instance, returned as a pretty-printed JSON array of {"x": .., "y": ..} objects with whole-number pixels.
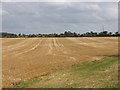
[{"x": 56, "y": 17}]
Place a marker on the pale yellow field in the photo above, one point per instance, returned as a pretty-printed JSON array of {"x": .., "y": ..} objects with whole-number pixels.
[{"x": 27, "y": 58}]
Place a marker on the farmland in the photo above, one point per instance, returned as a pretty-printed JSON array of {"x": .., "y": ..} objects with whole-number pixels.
[{"x": 26, "y": 58}]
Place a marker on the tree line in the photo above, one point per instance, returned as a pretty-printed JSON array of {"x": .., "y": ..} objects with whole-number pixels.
[{"x": 65, "y": 34}]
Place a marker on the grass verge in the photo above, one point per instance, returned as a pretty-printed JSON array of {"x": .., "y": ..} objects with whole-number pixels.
[{"x": 95, "y": 74}]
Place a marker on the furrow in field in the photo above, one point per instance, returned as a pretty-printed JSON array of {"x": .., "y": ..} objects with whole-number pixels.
[
  {"x": 102, "y": 43},
  {"x": 81, "y": 42},
  {"x": 7, "y": 41},
  {"x": 16, "y": 45},
  {"x": 20, "y": 47},
  {"x": 74, "y": 50},
  {"x": 75, "y": 57},
  {"x": 103, "y": 39},
  {"x": 29, "y": 50},
  {"x": 80, "y": 49},
  {"x": 85, "y": 42},
  {"x": 61, "y": 52},
  {"x": 50, "y": 46},
  {"x": 12, "y": 42},
  {"x": 36, "y": 48},
  {"x": 64, "y": 49}
]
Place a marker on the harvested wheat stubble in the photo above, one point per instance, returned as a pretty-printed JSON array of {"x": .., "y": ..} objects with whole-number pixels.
[{"x": 26, "y": 58}]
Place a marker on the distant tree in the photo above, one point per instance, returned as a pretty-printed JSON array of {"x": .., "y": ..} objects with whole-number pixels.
[
  {"x": 19, "y": 35},
  {"x": 104, "y": 33},
  {"x": 110, "y": 33},
  {"x": 65, "y": 33},
  {"x": 116, "y": 33},
  {"x": 75, "y": 34}
]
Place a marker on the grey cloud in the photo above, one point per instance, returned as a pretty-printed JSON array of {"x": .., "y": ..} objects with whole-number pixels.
[{"x": 52, "y": 17}]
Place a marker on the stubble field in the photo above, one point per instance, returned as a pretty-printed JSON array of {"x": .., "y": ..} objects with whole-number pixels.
[{"x": 27, "y": 58}]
